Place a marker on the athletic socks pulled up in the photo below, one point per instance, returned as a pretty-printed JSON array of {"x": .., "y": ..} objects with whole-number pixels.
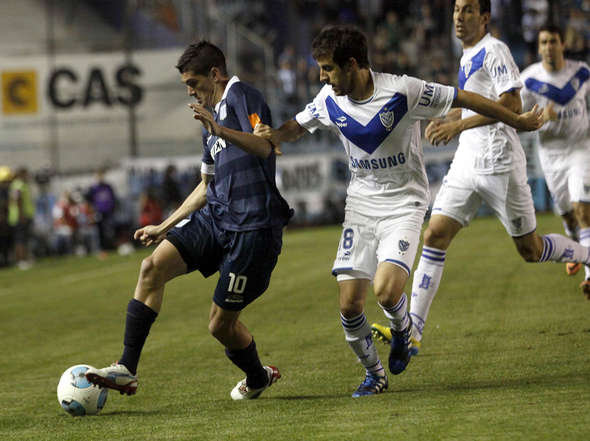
[
  {"x": 558, "y": 248},
  {"x": 247, "y": 360},
  {"x": 398, "y": 314},
  {"x": 140, "y": 318},
  {"x": 425, "y": 284},
  {"x": 358, "y": 336}
]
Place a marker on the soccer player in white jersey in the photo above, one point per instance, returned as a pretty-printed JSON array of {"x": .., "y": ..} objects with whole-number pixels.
[
  {"x": 376, "y": 116},
  {"x": 489, "y": 165},
  {"x": 562, "y": 87}
]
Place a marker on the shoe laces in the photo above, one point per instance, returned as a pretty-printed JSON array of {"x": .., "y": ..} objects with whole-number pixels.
[{"x": 372, "y": 381}]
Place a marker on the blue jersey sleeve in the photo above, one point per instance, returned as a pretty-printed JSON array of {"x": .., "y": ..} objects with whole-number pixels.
[
  {"x": 207, "y": 162},
  {"x": 249, "y": 108}
]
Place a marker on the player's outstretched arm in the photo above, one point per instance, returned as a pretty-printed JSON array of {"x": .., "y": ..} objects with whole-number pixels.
[
  {"x": 248, "y": 142},
  {"x": 528, "y": 121},
  {"x": 151, "y": 234},
  {"x": 442, "y": 131},
  {"x": 290, "y": 131}
]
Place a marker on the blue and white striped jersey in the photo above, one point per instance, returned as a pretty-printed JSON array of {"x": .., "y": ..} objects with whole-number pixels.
[
  {"x": 243, "y": 195},
  {"x": 381, "y": 137},
  {"x": 569, "y": 91},
  {"x": 489, "y": 70}
]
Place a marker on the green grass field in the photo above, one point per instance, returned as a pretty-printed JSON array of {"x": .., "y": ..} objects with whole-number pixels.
[{"x": 505, "y": 353}]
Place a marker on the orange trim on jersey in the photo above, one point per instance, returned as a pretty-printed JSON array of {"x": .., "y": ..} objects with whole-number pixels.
[{"x": 254, "y": 119}]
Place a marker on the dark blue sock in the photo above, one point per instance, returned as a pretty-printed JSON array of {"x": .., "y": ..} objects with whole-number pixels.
[
  {"x": 137, "y": 327},
  {"x": 247, "y": 360}
]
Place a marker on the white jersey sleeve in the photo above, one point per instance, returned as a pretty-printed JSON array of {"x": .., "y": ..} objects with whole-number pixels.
[
  {"x": 502, "y": 69},
  {"x": 428, "y": 100},
  {"x": 315, "y": 115}
]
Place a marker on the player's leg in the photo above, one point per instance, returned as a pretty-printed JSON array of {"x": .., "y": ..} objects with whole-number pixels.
[
  {"x": 354, "y": 266},
  {"x": 455, "y": 206},
  {"x": 240, "y": 348},
  {"x": 162, "y": 265},
  {"x": 438, "y": 235},
  {"x": 517, "y": 213},
  {"x": 353, "y": 287},
  {"x": 582, "y": 212},
  {"x": 580, "y": 196},
  {"x": 571, "y": 228},
  {"x": 390, "y": 280},
  {"x": 244, "y": 275}
]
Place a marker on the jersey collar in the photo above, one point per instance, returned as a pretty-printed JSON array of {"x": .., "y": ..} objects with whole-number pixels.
[
  {"x": 368, "y": 100},
  {"x": 477, "y": 46},
  {"x": 229, "y": 84}
]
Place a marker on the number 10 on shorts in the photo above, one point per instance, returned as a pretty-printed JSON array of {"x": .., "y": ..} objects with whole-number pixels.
[{"x": 237, "y": 284}]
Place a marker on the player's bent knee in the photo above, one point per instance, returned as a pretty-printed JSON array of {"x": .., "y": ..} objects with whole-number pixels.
[
  {"x": 387, "y": 294},
  {"x": 151, "y": 274},
  {"x": 351, "y": 309},
  {"x": 437, "y": 237},
  {"x": 219, "y": 328}
]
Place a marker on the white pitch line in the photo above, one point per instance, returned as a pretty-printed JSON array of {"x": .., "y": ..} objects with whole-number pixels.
[
  {"x": 92, "y": 274},
  {"x": 73, "y": 278}
]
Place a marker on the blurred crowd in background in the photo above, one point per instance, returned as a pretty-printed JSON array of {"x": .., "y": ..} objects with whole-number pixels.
[
  {"x": 35, "y": 222},
  {"x": 414, "y": 38}
]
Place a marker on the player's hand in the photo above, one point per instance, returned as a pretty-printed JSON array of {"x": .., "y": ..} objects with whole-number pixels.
[
  {"x": 549, "y": 114},
  {"x": 438, "y": 131},
  {"x": 148, "y": 235},
  {"x": 531, "y": 120},
  {"x": 203, "y": 115},
  {"x": 269, "y": 133}
]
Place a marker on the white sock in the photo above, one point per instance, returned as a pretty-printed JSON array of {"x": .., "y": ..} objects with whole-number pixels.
[
  {"x": 425, "y": 285},
  {"x": 398, "y": 314},
  {"x": 558, "y": 248},
  {"x": 358, "y": 335},
  {"x": 585, "y": 240}
]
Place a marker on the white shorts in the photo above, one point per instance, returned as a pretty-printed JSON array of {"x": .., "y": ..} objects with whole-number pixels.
[
  {"x": 507, "y": 194},
  {"x": 367, "y": 241},
  {"x": 568, "y": 177}
]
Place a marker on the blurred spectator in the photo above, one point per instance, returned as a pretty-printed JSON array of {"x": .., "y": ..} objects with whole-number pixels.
[
  {"x": 87, "y": 238},
  {"x": 20, "y": 217},
  {"x": 5, "y": 233},
  {"x": 150, "y": 211},
  {"x": 65, "y": 223},
  {"x": 534, "y": 15},
  {"x": 171, "y": 197},
  {"x": 102, "y": 197},
  {"x": 43, "y": 219},
  {"x": 575, "y": 43}
]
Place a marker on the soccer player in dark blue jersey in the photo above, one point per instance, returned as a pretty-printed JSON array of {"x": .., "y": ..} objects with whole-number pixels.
[{"x": 231, "y": 223}]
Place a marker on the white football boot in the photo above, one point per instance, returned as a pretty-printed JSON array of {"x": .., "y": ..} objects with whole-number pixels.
[
  {"x": 243, "y": 392},
  {"x": 115, "y": 376}
]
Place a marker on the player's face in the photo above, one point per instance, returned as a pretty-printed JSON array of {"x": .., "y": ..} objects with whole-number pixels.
[
  {"x": 200, "y": 87},
  {"x": 550, "y": 47},
  {"x": 331, "y": 73},
  {"x": 469, "y": 24}
]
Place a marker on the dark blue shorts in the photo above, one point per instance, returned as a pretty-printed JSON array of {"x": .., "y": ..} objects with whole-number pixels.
[{"x": 244, "y": 259}]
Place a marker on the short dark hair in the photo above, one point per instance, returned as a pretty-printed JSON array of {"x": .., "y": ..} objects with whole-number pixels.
[
  {"x": 552, "y": 29},
  {"x": 200, "y": 57},
  {"x": 341, "y": 43},
  {"x": 484, "y": 6}
]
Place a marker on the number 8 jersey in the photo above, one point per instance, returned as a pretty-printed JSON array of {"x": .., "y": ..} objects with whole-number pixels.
[{"x": 381, "y": 137}]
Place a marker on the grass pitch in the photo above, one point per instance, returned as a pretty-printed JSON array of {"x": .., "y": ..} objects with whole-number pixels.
[{"x": 505, "y": 353}]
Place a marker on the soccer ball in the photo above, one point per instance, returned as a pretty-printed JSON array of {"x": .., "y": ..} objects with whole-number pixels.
[{"x": 77, "y": 395}]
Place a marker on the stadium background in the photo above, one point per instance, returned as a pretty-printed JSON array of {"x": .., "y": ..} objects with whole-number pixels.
[{"x": 87, "y": 85}]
